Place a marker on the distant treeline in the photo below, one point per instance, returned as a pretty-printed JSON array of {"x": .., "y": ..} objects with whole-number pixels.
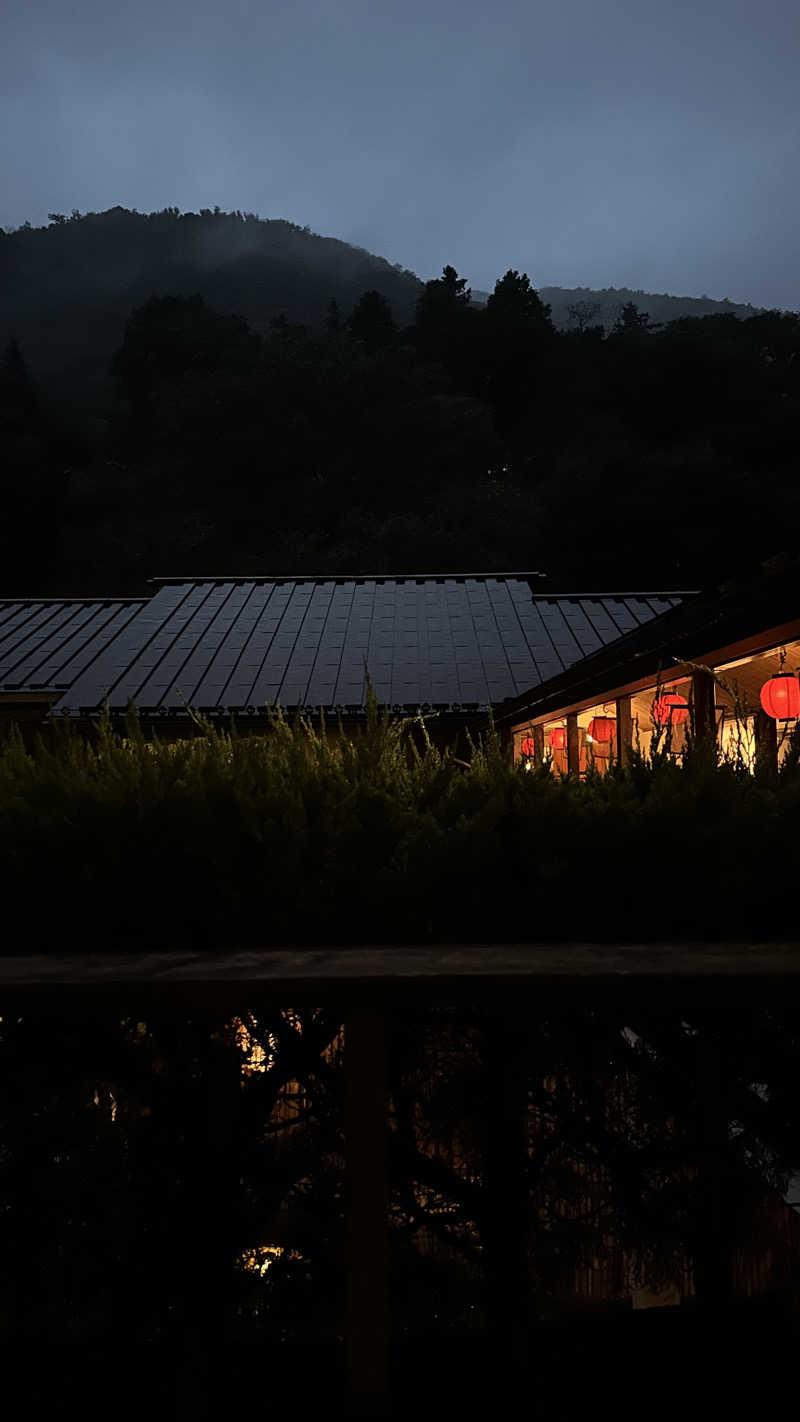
[
  {"x": 571, "y": 306},
  {"x": 187, "y": 420}
]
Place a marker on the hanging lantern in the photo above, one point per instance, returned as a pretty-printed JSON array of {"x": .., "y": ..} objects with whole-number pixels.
[
  {"x": 528, "y": 746},
  {"x": 558, "y": 738},
  {"x": 780, "y": 697},
  {"x": 602, "y": 729},
  {"x": 671, "y": 709}
]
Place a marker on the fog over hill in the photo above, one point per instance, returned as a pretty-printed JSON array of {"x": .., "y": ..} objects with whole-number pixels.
[
  {"x": 660, "y": 307},
  {"x": 66, "y": 290}
]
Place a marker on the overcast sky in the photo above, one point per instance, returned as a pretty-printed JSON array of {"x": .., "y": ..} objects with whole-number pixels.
[{"x": 642, "y": 143}]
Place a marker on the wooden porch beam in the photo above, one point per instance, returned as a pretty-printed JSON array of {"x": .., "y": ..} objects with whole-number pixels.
[
  {"x": 538, "y": 745},
  {"x": 705, "y": 713},
  {"x": 624, "y": 729},
  {"x": 573, "y": 744},
  {"x": 766, "y": 736}
]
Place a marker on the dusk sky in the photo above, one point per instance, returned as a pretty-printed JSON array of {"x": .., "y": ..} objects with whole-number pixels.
[{"x": 588, "y": 142}]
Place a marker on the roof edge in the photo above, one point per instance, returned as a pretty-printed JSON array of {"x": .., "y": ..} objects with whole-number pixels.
[
  {"x": 327, "y": 577},
  {"x": 104, "y": 598},
  {"x": 178, "y": 579}
]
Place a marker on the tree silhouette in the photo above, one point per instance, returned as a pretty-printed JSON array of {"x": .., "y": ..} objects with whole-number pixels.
[
  {"x": 582, "y": 315},
  {"x": 442, "y": 299},
  {"x": 17, "y": 388},
  {"x": 514, "y": 306},
  {"x": 631, "y": 321},
  {"x": 172, "y": 335},
  {"x": 333, "y": 321},
  {"x": 371, "y": 321}
]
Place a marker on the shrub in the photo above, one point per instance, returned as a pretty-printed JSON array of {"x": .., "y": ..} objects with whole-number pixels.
[{"x": 308, "y": 835}]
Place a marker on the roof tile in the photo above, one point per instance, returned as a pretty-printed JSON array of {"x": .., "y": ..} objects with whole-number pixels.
[{"x": 247, "y": 642}]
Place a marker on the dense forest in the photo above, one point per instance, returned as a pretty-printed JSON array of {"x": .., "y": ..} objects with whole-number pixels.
[{"x": 209, "y": 394}]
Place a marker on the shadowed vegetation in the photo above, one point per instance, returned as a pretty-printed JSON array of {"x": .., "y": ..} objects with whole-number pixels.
[
  {"x": 211, "y": 393},
  {"x": 309, "y": 834}
]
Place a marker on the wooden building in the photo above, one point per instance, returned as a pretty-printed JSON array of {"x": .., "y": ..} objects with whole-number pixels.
[
  {"x": 575, "y": 677},
  {"x": 449, "y": 646},
  {"x": 720, "y": 666}
]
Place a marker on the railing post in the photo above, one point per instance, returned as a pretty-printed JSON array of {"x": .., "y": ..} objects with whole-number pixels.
[
  {"x": 367, "y": 1321},
  {"x": 711, "y": 1252},
  {"x": 505, "y": 1217},
  {"x": 210, "y": 1110}
]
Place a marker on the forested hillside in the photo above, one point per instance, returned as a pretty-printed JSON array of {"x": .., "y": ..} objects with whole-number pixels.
[
  {"x": 335, "y": 415},
  {"x": 66, "y": 290}
]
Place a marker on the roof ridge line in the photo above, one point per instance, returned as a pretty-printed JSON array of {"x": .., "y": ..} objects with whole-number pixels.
[
  {"x": 420, "y": 577},
  {"x": 144, "y": 597},
  {"x": 331, "y": 577}
]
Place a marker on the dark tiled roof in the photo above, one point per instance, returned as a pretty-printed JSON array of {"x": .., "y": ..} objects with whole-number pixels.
[
  {"x": 453, "y": 643},
  {"x": 47, "y": 643}
]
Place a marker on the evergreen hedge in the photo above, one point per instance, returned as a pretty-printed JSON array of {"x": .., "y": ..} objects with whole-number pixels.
[{"x": 376, "y": 837}]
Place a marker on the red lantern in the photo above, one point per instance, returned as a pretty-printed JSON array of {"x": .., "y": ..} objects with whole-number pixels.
[
  {"x": 780, "y": 697},
  {"x": 528, "y": 746},
  {"x": 671, "y": 709},
  {"x": 558, "y": 738},
  {"x": 602, "y": 729}
]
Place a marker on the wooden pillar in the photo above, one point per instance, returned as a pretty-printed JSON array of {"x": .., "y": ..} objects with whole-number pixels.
[
  {"x": 624, "y": 730},
  {"x": 712, "y": 1260},
  {"x": 367, "y": 1322},
  {"x": 573, "y": 744},
  {"x": 205, "y": 1241},
  {"x": 705, "y": 715},
  {"x": 538, "y": 745},
  {"x": 504, "y": 1226},
  {"x": 766, "y": 734}
]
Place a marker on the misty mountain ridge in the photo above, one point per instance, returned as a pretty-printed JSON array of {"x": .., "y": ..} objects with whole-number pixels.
[
  {"x": 659, "y": 306},
  {"x": 66, "y": 290}
]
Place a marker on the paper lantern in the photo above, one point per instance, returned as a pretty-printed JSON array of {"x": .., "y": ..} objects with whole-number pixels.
[
  {"x": 528, "y": 746},
  {"x": 780, "y": 697},
  {"x": 671, "y": 709},
  {"x": 558, "y": 738},
  {"x": 602, "y": 729}
]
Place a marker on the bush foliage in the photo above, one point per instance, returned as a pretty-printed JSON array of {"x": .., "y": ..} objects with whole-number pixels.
[{"x": 307, "y": 835}]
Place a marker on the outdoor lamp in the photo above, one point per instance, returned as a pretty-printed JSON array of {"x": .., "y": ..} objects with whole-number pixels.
[
  {"x": 602, "y": 729},
  {"x": 671, "y": 709},
  {"x": 780, "y": 697}
]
